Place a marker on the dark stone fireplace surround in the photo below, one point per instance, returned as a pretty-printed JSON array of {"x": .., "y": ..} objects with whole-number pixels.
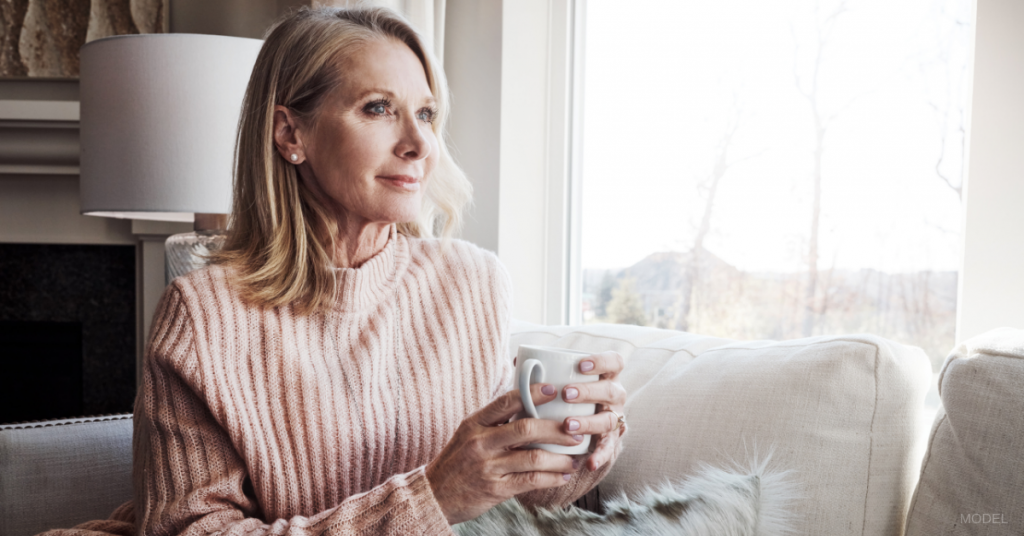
[{"x": 63, "y": 285}]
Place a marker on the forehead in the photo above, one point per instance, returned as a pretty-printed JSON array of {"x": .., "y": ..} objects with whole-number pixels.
[{"x": 383, "y": 64}]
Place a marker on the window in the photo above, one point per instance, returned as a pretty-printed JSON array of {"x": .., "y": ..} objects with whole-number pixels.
[{"x": 774, "y": 170}]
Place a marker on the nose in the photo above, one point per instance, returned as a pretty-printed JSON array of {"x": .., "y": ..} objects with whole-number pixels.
[{"x": 413, "y": 142}]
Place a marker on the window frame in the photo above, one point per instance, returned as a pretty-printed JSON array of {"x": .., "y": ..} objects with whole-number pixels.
[{"x": 539, "y": 194}]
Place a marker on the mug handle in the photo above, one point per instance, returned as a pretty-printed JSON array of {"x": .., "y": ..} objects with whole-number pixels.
[{"x": 525, "y": 375}]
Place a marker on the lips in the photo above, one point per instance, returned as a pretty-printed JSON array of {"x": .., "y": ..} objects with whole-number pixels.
[{"x": 402, "y": 182}]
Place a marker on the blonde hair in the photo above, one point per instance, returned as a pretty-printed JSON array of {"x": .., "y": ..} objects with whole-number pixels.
[{"x": 280, "y": 236}]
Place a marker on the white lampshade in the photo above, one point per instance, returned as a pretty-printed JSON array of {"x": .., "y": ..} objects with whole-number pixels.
[{"x": 159, "y": 115}]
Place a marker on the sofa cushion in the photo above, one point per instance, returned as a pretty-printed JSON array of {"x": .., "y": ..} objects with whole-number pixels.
[
  {"x": 972, "y": 477},
  {"x": 841, "y": 412},
  {"x": 62, "y": 473}
]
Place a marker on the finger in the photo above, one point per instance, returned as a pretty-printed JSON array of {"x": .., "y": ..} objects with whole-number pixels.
[
  {"x": 525, "y": 431},
  {"x": 599, "y": 423},
  {"x": 523, "y": 482},
  {"x": 607, "y": 392},
  {"x": 505, "y": 406},
  {"x": 527, "y": 460},
  {"x": 602, "y": 452},
  {"x": 610, "y": 363}
]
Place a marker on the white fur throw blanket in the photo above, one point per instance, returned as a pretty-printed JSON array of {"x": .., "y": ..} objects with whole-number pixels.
[{"x": 713, "y": 503}]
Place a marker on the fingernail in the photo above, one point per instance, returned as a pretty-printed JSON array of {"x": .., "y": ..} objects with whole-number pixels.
[
  {"x": 575, "y": 464},
  {"x": 574, "y": 425},
  {"x": 587, "y": 366},
  {"x": 571, "y": 393},
  {"x": 578, "y": 437},
  {"x": 548, "y": 389},
  {"x": 566, "y": 476}
]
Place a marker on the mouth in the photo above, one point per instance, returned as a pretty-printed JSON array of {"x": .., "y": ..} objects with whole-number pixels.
[{"x": 402, "y": 182}]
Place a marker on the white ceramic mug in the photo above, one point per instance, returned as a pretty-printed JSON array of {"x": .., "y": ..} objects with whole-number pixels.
[{"x": 559, "y": 367}]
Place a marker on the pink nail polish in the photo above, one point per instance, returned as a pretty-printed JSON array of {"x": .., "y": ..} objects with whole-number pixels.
[
  {"x": 586, "y": 366},
  {"x": 566, "y": 476},
  {"x": 578, "y": 437},
  {"x": 574, "y": 425},
  {"x": 548, "y": 390},
  {"x": 571, "y": 393}
]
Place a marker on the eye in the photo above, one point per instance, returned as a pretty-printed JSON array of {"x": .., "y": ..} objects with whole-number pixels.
[
  {"x": 378, "y": 107},
  {"x": 427, "y": 115}
]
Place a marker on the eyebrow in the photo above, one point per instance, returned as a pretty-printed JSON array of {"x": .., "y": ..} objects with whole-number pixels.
[{"x": 390, "y": 94}]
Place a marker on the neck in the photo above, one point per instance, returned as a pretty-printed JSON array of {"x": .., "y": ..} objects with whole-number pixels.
[{"x": 358, "y": 242}]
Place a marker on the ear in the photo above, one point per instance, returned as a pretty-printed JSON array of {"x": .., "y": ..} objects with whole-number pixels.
[{"x": 287, "y": 138}]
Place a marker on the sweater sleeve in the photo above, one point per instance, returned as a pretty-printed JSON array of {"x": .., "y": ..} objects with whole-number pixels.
[
  {"x": 584, "y": 479},
  {"x": 190, "y": 480}
]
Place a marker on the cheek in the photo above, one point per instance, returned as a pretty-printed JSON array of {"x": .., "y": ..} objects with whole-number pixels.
[
  {"x": 364, "y": 151},
  {"x": 352, "y": 169},
  {"x": 434, "y": 157}
]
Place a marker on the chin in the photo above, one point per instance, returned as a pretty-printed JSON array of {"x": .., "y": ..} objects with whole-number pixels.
[
  {"x": 401, "y": 216},
  {"x": 406, "y": 210},
  {"x": 393, "y": 207}
]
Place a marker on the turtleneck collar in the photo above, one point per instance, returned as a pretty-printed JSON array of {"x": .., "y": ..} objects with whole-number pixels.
[{"x": 362, "y": 288}]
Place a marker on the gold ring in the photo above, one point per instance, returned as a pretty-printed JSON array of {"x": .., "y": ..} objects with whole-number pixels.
[{"x": 621, "y": 419}]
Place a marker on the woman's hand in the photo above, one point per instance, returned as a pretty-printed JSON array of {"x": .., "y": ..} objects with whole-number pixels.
[
  {"x": 480, "y": 466},
  {"x": 607, "y": 393}
]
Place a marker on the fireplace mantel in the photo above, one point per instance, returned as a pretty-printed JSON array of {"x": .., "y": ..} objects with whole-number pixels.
[{"x": 39, "y": 121}]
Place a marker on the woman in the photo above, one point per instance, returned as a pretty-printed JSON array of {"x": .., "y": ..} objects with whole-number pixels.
[{"x": 334, "y": 371}]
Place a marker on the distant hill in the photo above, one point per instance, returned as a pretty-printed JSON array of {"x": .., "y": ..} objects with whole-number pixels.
[
  {"x": 916, "y": 308},
  {"x": 659, "y": 278}
]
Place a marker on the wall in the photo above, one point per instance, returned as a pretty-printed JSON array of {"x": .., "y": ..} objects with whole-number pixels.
[
  {"x": 239, "y": 18},
  {"x": 992, "y": 276},
  {"x": 473, "y": 66}
]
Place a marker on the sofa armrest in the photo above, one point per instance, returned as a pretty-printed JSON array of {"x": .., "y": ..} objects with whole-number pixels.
[
  {"x": 972, "y": 477},
  {"x": 60, "y": 473}
]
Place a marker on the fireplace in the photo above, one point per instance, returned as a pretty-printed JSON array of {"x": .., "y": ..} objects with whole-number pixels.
[
  {"x": 67, "y": 330},
  {"x": 42, "y": 370}
]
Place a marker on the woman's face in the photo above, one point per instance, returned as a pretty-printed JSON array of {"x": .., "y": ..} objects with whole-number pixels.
[{"x": 373, "y": 146}]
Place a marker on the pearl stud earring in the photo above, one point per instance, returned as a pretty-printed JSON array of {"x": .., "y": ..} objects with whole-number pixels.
[{"x": 294, "y": 157}]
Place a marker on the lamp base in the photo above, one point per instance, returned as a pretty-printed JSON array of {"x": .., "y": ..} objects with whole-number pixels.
[{"x": 185, "y": 252}]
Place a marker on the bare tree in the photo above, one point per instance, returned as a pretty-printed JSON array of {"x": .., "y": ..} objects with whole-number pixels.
[
  {"x": 946, "y": 99},
  {"x": 808, "y": 82},
  {"x": 942, "y": 66},
  {"x": 708, "y": 188},
  {"x": 829, "y": 290}
]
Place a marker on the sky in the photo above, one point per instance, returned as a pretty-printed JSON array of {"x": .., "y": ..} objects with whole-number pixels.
[{"x": 662, "y": 77}]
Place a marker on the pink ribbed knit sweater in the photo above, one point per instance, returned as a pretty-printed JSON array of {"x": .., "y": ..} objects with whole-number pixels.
[{"x": 255, "y": 421}]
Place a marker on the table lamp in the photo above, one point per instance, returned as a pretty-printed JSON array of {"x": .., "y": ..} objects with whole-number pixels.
[{"x": 159, "y": 115}]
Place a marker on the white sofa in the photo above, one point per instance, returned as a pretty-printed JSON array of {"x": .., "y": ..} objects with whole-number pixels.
[{"x": 842, "y": 413}]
